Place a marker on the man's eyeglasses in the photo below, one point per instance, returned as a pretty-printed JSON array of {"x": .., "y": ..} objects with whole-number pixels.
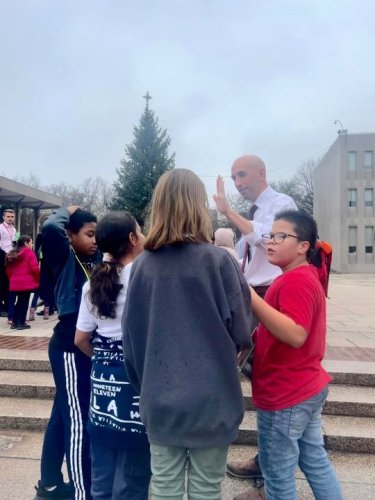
[{"x": 278, "y": 237}]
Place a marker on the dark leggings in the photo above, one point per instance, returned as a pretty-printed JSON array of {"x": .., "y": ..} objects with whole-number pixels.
[{"x": 20, "y": 308}]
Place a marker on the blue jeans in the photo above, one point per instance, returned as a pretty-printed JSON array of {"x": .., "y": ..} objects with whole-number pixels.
[
  {"x": 292, "y": 437},
  {"x": 119, "y": 474}
]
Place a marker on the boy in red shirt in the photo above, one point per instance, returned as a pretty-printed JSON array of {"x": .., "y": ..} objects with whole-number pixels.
[{"x": 288, "y": 382}]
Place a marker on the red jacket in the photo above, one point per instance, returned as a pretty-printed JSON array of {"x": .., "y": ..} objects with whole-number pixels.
[{"x": 23, "y": 273}]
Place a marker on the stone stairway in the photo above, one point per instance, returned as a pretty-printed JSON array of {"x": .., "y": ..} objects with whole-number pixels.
[
  {"x": 26, "y": 391},
  {"x": 348, "y": 416}
]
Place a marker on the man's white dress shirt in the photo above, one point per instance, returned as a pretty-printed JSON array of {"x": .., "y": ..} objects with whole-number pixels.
[{"x": 7, "y": 236}]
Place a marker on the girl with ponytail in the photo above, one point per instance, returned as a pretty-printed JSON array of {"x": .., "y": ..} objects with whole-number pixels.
[{"x": 119, "y": 446}]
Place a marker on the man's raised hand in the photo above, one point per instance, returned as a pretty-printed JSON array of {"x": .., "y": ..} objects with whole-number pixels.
[{"x": 220, "y": 197}]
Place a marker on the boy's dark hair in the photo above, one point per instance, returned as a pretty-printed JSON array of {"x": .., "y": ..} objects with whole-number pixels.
[
  {"x": 18, "y": 245},
  {"x": 112, "y": 236},
  {"x": 304, "y": 225},
  {"x": 78, "y": 219},
  {"x": 319, "y": 253}
]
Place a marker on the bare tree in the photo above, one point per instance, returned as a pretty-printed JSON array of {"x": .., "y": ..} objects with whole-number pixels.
[
  {"x": 98, "y": 194},
  {"x": 70, "y": 195},
  {"x": 93, "y": 194},
  {"x": 305, "y": 177},
  {"x": 31, "y": 180},
  {"x": 300, "y": 187}
]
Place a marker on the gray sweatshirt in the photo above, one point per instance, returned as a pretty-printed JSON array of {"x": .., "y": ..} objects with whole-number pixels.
[{"x": 186, "y": 316}]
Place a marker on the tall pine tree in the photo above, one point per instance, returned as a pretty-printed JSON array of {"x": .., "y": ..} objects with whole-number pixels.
[{"x": 147, "y": 158}]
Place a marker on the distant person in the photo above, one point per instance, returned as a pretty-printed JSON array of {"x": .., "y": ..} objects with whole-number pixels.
[
  {"x": 250, "y": 179},
  {"x": 69, "y": 254},
  {"x": 8, "y": 236},
  {"x": 7, "y": 230},
  {"x": 186, "y": 317},
  {"x": 120, "y": 452},
  {"x": 289, "y": 384},
  {"x": 48, "y": 301},
  {"x": 4, "y": 286},
  {"x": 23, "y": 273},
  {"x": 224, "y": 238}
]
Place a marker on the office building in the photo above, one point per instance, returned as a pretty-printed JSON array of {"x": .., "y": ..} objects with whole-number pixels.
[{"x": 344, "y": 184}]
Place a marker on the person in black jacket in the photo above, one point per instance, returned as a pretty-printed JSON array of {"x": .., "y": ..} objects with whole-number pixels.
[
  {"x": 45, "y": 290},
  {"x": 69, "y": 254}
]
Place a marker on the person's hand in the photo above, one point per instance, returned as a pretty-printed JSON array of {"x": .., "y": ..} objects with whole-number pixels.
[
  {"x": 220, "y": 197},
  {"x": 72, "y": 208}
]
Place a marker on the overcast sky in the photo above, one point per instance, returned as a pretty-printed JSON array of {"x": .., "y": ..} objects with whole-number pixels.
[{"x": 228, "y": 78}]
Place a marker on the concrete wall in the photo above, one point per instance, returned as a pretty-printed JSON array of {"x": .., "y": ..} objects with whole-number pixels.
[
  {"x": 332, "y": 179},
  {"x": 327, "y": 200}
]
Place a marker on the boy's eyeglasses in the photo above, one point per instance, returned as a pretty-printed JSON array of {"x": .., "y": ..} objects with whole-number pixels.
[{"x": 278, "y": 238}]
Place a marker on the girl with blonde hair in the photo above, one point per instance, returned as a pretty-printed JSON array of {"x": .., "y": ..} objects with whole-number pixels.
[{"x": 186, "y": 317}]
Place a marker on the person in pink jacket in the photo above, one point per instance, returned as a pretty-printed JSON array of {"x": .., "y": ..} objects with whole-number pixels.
[{"x": 23, "y": 273}]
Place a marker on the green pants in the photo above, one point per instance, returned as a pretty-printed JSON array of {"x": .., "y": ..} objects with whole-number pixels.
[{"x": 204, "y": 469}]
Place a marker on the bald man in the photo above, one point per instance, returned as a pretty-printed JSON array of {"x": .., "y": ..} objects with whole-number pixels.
[{"x": 250, "y": 179}]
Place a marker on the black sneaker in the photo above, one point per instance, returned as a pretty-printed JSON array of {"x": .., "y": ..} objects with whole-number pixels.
[
  {"x": 63, "y": 491},
  {"x": 23, "y": 327}
]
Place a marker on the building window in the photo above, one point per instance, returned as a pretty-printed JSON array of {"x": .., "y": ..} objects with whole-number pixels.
[
  {"x": 352, "y": 197},
  {"x": 368, "y": 159},
  {"x": 369, "y": 239},
  {"x": 352, "y": 239},
  {"x": 369, "y": 197},
  {"x": 352, "y": 161}
]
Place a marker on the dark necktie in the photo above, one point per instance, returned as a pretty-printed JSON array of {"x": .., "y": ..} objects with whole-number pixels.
[{"x": 247, "y": 252}]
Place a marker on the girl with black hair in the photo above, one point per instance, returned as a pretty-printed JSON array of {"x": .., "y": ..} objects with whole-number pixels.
[
  {"x": 120, "y": 453},
  {"x": 23, "y": 273}
]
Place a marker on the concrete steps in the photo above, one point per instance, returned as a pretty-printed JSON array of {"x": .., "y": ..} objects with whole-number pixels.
[
  {"x": 341, "y": 433},
  {"x": 27, "y": 389},
  {"x": 31, "y": 361},
  {"x": 356, "y": 374},
  {"x": 25, "y": 384},
  {"x": 24, "y": 413},
  {"x": 342, "y": 400}
]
